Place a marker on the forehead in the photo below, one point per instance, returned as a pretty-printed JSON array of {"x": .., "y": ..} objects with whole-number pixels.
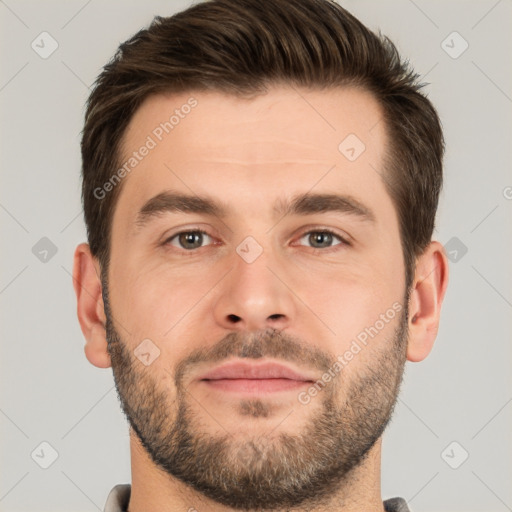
[
  {"x": 287, "y": 140},
  {"x": 317, "y": 119}
]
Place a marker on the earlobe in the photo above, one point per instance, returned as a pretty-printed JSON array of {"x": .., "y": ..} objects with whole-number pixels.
[
  {"x": 426, "y": 298},
  {"x": 96, "y": 352},
  {"x": 90, "y": 308}
]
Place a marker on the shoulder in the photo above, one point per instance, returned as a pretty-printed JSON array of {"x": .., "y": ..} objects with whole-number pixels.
[
  {"x": 396, "y": 505},
  {"x": 118, "y": 498}
]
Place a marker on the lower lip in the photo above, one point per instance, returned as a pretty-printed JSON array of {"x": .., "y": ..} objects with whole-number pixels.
[{"x": 256, "y": 385}]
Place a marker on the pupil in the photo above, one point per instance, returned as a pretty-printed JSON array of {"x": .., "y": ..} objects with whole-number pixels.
[
  {"x": 322, "y": 239},
  {"x": 188, "y": 239}
]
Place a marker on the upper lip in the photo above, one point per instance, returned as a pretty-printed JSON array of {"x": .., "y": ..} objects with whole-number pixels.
[{"x": 246, "y": 370}]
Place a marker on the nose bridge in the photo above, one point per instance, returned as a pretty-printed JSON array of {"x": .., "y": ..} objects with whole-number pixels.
[{"x": 254, "y": 297}]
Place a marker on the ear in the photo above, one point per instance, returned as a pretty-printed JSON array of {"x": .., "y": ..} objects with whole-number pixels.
[
  {"x": 90, "y": 307},
  {"x": 427, "y": 294}
]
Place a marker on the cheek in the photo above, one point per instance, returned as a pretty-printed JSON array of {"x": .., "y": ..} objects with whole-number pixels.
[
  {"x": 350, "y": 301},
  {"x": 157, "y": 302},
  {"x": 345, "y": 303}
]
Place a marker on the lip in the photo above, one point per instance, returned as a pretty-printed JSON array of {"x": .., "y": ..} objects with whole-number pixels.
[
  {"x": 255, "y": 371},
  {"x": 251, "y": 378}
]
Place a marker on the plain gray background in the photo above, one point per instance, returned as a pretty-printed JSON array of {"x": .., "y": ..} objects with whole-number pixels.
[{"x": 460, "y": 394}]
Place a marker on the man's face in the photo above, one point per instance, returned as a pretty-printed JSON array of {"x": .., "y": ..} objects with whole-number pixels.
[{"x": 318, "y": 287}]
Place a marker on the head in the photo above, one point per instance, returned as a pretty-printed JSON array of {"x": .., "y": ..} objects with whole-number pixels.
[{"x": 212, "y": 140}]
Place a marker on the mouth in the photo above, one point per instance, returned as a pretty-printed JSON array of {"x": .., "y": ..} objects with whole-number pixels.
[{"x": 262, "y": 378}]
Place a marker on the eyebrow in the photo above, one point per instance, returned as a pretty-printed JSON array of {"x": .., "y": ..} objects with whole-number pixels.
[{"x": 302, "y": 204}]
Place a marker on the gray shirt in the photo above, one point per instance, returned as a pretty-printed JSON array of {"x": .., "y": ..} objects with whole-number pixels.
[{"x": 119, "y": 497}]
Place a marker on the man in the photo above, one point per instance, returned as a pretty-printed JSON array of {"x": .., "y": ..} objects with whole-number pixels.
[{"x": 260, "y": 184}]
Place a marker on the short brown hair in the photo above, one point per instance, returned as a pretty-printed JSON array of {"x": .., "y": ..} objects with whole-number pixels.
[{"x": 242, "y": 47}]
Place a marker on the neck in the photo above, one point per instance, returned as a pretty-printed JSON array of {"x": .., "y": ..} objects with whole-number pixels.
[{"x": 154, "y": 489}]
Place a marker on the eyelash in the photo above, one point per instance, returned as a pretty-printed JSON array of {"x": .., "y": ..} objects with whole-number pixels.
[{"x": 314, "y": 249}]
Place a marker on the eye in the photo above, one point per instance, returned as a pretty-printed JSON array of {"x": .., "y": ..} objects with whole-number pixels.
[
  {"x": 189, "y": 240},
  {"x": 195, "y": 239},
  {"x": 322, "y": 239}
]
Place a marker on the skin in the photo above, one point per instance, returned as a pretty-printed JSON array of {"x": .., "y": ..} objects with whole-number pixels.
[{"x": 247, "y": 154}]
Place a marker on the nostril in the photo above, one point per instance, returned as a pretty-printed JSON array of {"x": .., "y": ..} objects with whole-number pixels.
[
  {"x": 233, "y": 318},
  {"x": 277, "y": 316}
]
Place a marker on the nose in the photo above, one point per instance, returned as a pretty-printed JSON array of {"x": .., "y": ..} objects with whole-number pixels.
[{"x": 255, "y": 295}]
